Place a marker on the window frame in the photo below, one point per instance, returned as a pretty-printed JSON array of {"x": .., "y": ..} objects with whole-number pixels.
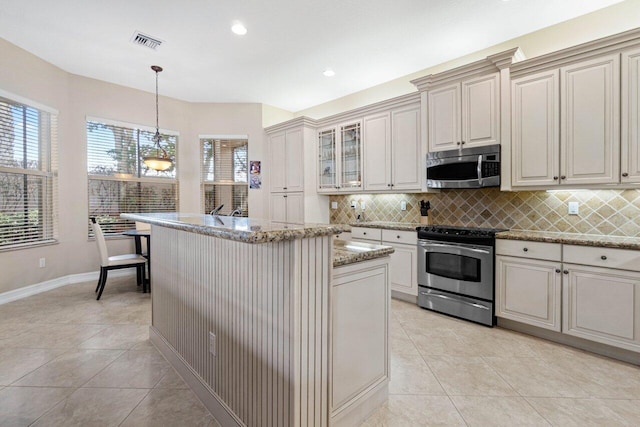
[
  {"x": 132, "y": 179},
  {"x": 48, "y": 169}
]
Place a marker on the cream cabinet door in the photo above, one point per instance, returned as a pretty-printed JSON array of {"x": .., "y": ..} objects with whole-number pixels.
[
  {"x": 535, "y": 121},
  {"x": 377, "y": 152},
  {"x": 294, "y": 207},
  {"x": 603, "y": 305},
  {"x": 277, "y": 151},
  {"x": 278, "y": 208},
  {"x": 294, "y": 159},
  {"x": 529, "y": 291},
  {"x": 481, "y": 111},
  {"x": 403, "y": 268},
  {"x": 590, "y": 117},
  {"x": 444, "y": 118},
  {"x": 405, "y": 149},
  {"x": 630, "y": 132}
]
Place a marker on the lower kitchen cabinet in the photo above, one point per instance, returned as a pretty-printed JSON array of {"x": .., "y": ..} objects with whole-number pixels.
[
  {"x": 529, "y": 291},
  {"x": 287, "y": 207},
  {"x": 603, "y": 305}
]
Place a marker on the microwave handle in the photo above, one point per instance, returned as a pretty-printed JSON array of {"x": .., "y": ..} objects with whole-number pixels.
[{"x": 479, "y": 169}]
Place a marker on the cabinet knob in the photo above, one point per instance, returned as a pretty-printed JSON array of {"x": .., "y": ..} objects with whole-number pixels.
[
  {"x": 555, "y": 178},
  {"x": 284, "y": 188},
  {"x": 603, "y": 257},
  {"x": 457, "y": 143},
  {"x": 398, "y": 237},
  {"x": 563, "y": 177},
  {"x": 462, "y": 142},
  {"x": 558, "y": 270},
  {"x": 284, "y": 196},
  {"x": 625, "y": 174},
  {"x": 365, "y": 233},
  {"x": 525, "y": 249},
  {"x": 388, "y": 185},
  {"x": 566, "y": 272}
]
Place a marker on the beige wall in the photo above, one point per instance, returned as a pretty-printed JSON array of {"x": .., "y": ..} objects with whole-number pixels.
[
  {"x": 611, "y": 20},
  {"x": 75, "y": 97}
]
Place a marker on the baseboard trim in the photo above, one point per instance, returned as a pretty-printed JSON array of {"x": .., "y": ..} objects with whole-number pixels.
[
  {"x": 220, "y": 411},
  {"x": 59, "y": 282},
  {"x": 404, "y": 297}
]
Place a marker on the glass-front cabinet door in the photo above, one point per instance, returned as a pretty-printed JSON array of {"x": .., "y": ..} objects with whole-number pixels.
[
  {"x": 351, "y": 157},
  {"x": 327, "y": 160}
]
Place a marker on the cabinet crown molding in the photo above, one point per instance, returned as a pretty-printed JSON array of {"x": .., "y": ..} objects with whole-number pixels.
[
  {"x": 610, "y": 44},
  {"x": 290, "y": 124},
  {"x": 490, "y": 64}
]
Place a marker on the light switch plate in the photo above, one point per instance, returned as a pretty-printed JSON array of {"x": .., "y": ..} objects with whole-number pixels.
[
  {"x": 573, "y": 208},
  {"x": 403, "y": 205},
  {"x": 354, "y": 204},
  {"x": 212, "y": 343},
  {"x": 362, "y": 205},
  {"x": 334, "y": 205}
]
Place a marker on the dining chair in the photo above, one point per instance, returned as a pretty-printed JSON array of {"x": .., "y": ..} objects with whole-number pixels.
[{"x": 115, "y": 262}]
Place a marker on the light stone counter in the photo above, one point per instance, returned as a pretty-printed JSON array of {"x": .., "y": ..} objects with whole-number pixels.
[
  {"x": 385, "y": 225},
  {"x": 617, "y": 242},
  {"x": 345, "y": 252},
  {"x": 247, "y": 230}
]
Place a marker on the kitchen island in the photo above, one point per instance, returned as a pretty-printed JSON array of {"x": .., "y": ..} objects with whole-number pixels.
[{"x": 254, "y": 317}]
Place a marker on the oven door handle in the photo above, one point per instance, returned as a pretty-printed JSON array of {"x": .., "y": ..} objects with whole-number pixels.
[
  {"x": 479, "y": 170},
  {"x": 456, "y": 300},
  {"x": 439, "y": 245}
]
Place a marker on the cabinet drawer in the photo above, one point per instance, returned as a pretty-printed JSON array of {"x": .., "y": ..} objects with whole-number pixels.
[
  {"x": 622, "y": 259},
  {"x": 346, "y": 236},
  {"x": 395, "y": 236},
  {"x": 366, "y": 233},
  {"x": 527, "y": 249}
]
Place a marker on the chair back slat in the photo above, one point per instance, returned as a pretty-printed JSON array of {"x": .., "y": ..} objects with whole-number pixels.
[{"x": 102, "y": 244}]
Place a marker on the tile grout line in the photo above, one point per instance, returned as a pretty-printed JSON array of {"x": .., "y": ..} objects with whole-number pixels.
[{"x": 135, "y": 407}]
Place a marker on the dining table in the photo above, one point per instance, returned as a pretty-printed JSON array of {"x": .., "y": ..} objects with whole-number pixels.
[{"x": 137, "y": 236}]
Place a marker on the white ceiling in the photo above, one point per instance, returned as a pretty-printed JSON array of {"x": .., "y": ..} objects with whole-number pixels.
[{"x": 288, "y": 45}]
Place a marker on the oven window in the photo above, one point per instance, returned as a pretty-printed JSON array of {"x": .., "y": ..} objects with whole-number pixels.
[
  {"x": 455, "y": 267},
  {"x": 453, "y": 171}
]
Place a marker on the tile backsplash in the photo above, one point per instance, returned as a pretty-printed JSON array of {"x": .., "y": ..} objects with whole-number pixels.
[{"x": 603, "y": 212}]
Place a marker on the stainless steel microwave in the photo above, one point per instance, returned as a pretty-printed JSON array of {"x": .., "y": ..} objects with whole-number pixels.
[{"x": 474, "y": 167}]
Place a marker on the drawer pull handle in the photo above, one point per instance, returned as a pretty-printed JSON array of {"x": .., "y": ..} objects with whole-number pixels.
[
  {"x": 566, "y": 272},
  {"x": 603, "y": 257},
  {"x": 558, "y": 270},
  {"x": 526, "y": 249}
]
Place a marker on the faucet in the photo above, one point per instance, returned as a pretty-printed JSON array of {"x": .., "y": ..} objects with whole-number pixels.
[
  {"x": 216, "y": 210},
  {"x": 236, "y": 212}
]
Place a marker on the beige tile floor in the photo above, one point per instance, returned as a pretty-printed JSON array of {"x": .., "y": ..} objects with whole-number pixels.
[{"x": 69, "y": 360}]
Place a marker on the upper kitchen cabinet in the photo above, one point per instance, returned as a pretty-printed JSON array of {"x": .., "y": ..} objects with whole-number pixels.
[
  {"x": 463, "y": 106},
  {"x": 392, "y": 149},
  {"x": 287, "y": 161},
  {"x": 340, "y": 158},
  {"x": 630, "y": 132},
  {"x": 575, "y": 116}
]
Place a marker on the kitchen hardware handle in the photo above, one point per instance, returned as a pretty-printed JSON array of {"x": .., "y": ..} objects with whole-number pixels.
[
  {"x": 479, "y": 169},
  {"x": 566, "y": 272},
  {"x": 563, "y": 177},
  {"x": 603, "y": 257},
  {"x": 558, "y": 270},
  {"x": 388, "y": 185},
  {"x": 284, "y": 188},
  {"x": 457, "y": 143},
  {"x": 525, "y": 249},
  {"x": 285, "y": 196},
  {"x": 456, "y": 300},
  {"x": 625, "y": 174},
  {"x": 555, "y": 178},
  {"x": 365, "y": 233},
  {"x": 437, "y": 245},
  {"x": 462, "y": 142},
  {"x": 398, "y": 237}
]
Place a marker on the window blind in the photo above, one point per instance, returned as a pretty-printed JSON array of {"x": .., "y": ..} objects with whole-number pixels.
[
  {"x": 120, "y": 182},
  {"x": 28, "y": 166},
  {"x": 225, "y": 175}
]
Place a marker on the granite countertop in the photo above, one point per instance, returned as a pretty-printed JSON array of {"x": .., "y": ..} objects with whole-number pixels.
[
  {"x": 400, "y": 226},
  {"x": 345, "y": 252},
  {"x": 618, "y": 242},
  {"x": 247, "y": 230}
]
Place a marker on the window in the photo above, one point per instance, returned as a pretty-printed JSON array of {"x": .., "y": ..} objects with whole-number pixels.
[
  {"x": 119, "y": 181},
  {"x": 27, "y": 174},
  {"x": 225, "y": 175}
]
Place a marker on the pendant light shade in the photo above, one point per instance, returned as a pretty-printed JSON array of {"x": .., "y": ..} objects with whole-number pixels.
[{"x": 161, "y": 161}]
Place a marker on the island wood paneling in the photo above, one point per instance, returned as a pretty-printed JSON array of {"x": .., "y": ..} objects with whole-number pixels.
[{"x": 266, "y": 303}]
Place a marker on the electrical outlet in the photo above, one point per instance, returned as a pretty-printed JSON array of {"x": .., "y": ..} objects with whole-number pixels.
[
  {"x": 354, "y": 204},
  {"x": 212, "y": 343},
  {"x": 43, "y": 262},
  {"x": 403, "y": 205},
  {"x": 573, "y": 208},
  {"x": 362, "y": 205},
  {"x": 334, "y": 205}
]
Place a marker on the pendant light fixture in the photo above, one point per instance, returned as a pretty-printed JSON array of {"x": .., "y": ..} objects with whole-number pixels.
[{"x": 161, "y": 161}]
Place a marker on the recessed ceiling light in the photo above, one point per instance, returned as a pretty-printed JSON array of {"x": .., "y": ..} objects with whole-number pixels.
[
  {"x": 238, "y": 28},
  {"x": 329, "y": 72}
]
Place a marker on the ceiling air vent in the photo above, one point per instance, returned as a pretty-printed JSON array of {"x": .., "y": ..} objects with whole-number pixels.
[{"x": 142, "y": 39}]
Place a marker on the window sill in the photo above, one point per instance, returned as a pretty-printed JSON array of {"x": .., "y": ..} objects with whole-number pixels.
[{"x": 20, "y": 246}]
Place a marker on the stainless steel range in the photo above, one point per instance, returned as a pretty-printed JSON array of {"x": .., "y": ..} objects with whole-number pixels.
[{"x": 456, "y": 271}]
